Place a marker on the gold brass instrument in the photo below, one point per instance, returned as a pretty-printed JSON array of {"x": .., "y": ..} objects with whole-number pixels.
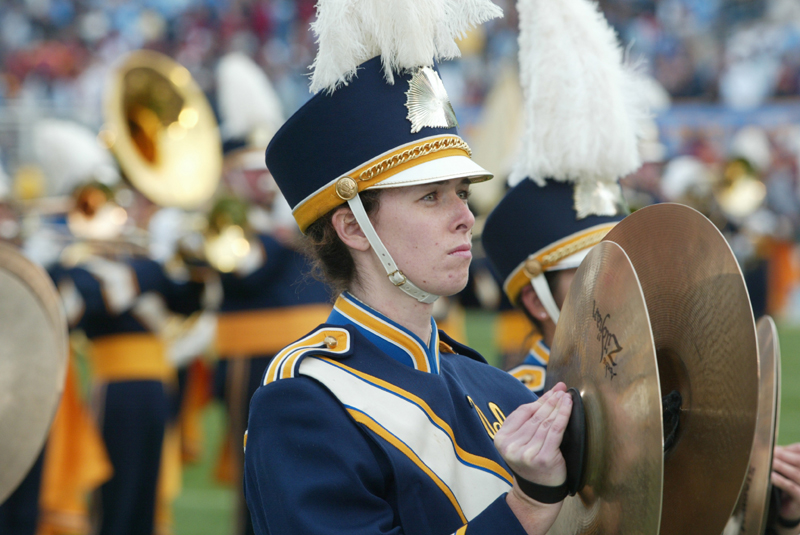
[
  {"x": 707, "y": 349},
  {"x": 657, "y": 335},
  {"x": 227, "y": 239},
  {"x": 162, "y": 130},
  {"x": 740, "y": 192},
  {"x": 604, "y": 348}
]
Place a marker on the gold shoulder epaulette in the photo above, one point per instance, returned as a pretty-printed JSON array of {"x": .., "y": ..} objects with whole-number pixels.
[{"x": 325, "y": 341}]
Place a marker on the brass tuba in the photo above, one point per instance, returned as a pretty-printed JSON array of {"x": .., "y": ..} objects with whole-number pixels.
[
  {"x": 162, "y": 130},
  {"x": 740, "y": 191}
]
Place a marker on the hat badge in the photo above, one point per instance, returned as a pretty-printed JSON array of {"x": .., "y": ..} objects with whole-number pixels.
[{"x": 428, "y": 103}]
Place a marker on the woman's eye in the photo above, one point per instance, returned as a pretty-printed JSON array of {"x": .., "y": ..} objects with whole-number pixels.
[
  {"x": 465, "y": 194},
  {"x": 430, "y": 196}
]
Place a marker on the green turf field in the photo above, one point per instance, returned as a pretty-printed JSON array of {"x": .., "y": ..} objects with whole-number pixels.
[
  {"x": 205, "y": 508},
  {"x": 790, "y": 385}
]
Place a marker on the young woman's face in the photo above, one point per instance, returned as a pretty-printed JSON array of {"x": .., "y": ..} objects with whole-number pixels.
[{"x": 428, "y": 231}]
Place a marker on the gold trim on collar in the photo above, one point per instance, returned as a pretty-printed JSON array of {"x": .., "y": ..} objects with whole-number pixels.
[
  {"x": 377, "y": 170},
  {"x": 357, "y": 312},
  {"x": 546, "y": 258}
]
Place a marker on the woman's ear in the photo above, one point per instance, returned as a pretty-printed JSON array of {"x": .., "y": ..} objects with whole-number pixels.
[
  {"x": 531, "y": 302},
  {"x": 349, "y": 230}
]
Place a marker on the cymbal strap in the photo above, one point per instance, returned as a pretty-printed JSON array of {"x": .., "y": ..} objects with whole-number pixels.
[{"x": 541, "y": 493}]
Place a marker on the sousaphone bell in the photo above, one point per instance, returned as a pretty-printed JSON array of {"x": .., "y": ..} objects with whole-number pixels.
[{"x": 162, "y": 130}]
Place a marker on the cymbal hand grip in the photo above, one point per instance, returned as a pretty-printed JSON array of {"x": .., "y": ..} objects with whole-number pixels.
[
  {"x": 573, "y": 449},
  {"x": 671, "y": 407},
  {"x": 573, "y": 445}
]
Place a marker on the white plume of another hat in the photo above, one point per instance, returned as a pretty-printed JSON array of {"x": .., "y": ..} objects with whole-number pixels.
[
  {"x": 248, "y": 104},
  {"x": 583, "y": 104},
  {"x": 71, "y": 155},
  {"x": 752, "y": 144},
  {"x": 5, "y": 184},
  {"x": 686, "y": 176},
  {"x": 406, "y": 34}
]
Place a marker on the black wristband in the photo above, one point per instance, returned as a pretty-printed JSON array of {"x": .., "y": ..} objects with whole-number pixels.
[
  {"x": 787, "y": 523},
  {"x": 542, "y": 493}
]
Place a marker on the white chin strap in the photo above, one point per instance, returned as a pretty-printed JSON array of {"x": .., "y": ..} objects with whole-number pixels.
[
  {"x": 396, "y": 276},
  {"x": 542, "y": 289}
]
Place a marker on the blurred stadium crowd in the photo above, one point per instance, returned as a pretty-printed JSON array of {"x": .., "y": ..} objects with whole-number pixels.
[{"x": 738, "y": 52}]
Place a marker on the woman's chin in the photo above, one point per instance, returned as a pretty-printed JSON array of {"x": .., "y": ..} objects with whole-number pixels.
[{"x": 448, "y": 287}]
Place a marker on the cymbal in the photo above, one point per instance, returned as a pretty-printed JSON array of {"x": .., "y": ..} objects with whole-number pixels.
[
  {"x": 603, "y": 347},
  {"x": 750, "y": 514},
  {"x": 33, "y": 363},
  {"x": 705, "y": 342}
]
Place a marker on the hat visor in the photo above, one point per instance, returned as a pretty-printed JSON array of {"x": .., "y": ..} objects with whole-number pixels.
[{"x": 438, "y": 170}]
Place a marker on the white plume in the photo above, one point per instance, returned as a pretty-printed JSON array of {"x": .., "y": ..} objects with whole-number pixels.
[
  {"x": 5, "y": 184},
  {"x": 248, "y": 103},
  {"x": 405, "y": 33},
  {"x": 582, "y": 104},
  {"x": 71, "y": 155}
]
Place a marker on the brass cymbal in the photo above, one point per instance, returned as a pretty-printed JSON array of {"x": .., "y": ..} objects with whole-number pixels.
[
  {"x": 603, "y": 347},
  {"x": 750, "y": 514},
  {"x": 33, "y": 363},
  {"x": 705, "y": 342}
]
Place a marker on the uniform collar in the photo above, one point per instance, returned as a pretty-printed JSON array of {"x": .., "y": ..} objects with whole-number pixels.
[
  {"x": 539, "y": 350},
  {"x": 393, "y": 339}
]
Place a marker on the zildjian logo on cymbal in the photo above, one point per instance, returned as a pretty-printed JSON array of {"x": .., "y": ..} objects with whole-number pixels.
[{"x": 609, "y": 345}]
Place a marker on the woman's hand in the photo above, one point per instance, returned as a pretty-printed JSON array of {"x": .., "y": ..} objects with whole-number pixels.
[
  {"x": 529, "y": 442},
  {"x": 786, "y": 476}
]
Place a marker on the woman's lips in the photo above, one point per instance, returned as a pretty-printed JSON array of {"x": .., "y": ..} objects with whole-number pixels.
[{"x": 463, "y": 251}]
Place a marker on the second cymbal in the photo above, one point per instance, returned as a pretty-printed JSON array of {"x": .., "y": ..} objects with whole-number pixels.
[{"x": 705, "y": 341}]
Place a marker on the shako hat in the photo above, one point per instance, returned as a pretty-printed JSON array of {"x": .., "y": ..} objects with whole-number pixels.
[
  {"x": 249, "y": 108},
  {"x": 381, "y": 116},
  {"x": 583, "y": 107},
  {"x": 535, "y": 229}
]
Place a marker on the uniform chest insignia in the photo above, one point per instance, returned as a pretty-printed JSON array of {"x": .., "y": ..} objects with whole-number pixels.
[
  {"x": 491, "y": 426},
  {"x": 428, "y": 103}
]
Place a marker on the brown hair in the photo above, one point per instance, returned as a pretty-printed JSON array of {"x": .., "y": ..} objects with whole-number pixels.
[{"x": 331, "y": 261}]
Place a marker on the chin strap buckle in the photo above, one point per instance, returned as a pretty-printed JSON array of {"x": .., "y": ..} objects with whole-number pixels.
[{"x": 397, "y": 278}]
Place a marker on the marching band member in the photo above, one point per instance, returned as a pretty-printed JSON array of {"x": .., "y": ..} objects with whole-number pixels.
[
  {"x": 544, "y": 226},
  {"x": 73, "y": 462},
  {"x": 120, "y": 299},
  {"x": 533, "y": 235},
  {"x": 269, "y": 299},
  {"x": 376, "y": 421}
]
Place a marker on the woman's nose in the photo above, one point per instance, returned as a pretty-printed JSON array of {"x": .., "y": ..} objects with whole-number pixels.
[{"x": 464, "y": 219}]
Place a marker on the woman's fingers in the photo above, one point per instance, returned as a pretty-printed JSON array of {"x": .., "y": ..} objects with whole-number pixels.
[
  {"x": 522, "y": 414},
  {"x": 532, "y": 450},
  {"x": 516, "y": 438},
  {"x": 786, "y": 476},
  {"x": 560, "y": 420}
]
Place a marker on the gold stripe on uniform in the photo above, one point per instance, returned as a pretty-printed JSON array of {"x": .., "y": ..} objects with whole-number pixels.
[
  {"x": 379, "y": 430},
  {"x": 483, "y": 462},
  {"x": 385, "y": 330}
]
